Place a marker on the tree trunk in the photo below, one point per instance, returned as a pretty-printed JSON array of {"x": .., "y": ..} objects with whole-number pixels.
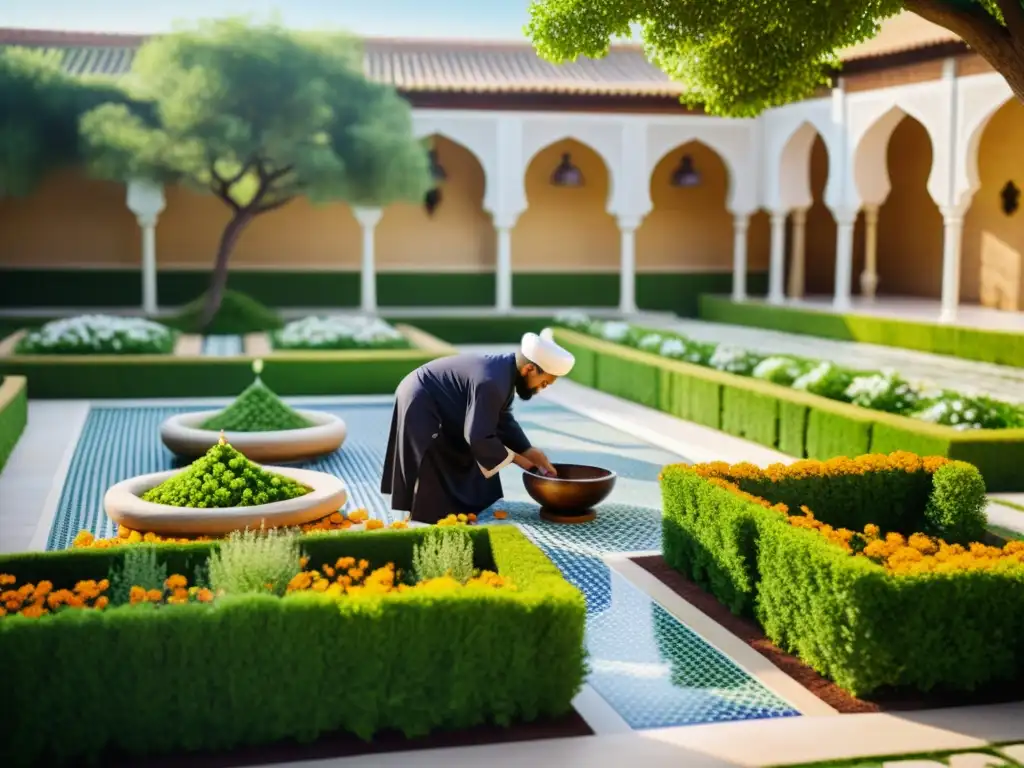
[{"x": 219, "y": 279}]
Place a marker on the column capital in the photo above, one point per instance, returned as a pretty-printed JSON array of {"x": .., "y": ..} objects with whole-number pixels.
[
  {"x": 845, "y": 215},
  {"x": 953, "y": 214},
  {"x": 147, "y": 219},
  {"x": 629, "y": 222},
  {"x": 741, "y": 220},
  {"x": 799, "y": 215},
  {"x": 779, "y": 217},
  {"x": 505, "y": 219},
  {"x": 145, "y": 198},
  {"x": 368, "y": 217}
]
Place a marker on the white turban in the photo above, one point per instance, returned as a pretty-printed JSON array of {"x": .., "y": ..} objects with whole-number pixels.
[{"x": 544, "y": 352}]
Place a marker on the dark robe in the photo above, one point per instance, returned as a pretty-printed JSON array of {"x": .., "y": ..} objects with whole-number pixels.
[{"x": 452, "y": 427}]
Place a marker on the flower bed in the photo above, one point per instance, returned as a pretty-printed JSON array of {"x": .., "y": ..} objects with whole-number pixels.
[
  {"x": 877, "y": 581},
  {"x": 296, "y": 372},
  {"x": 98, "y": 335},
  {"x": 351, "y": 645},
  {"x": 338, "y": 332},
  {"x": 883, "y": 391},
  {"x": 764, "y": 410}
]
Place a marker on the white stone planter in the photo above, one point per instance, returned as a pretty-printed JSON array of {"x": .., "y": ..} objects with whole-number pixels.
[
  {"x": 124, "y": 505},
  {"x": 181, "y": 434}
]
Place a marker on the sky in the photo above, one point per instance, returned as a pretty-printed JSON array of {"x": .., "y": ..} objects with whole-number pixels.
[{"x": 478, "y": 19}]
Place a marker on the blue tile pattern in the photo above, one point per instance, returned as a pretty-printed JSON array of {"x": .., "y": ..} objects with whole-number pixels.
[
  {"x": 653, "y": 670},
  {"x": 222, "y": 345}
]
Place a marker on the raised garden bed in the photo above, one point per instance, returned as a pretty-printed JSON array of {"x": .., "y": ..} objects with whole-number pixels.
[
  {"x": 190, "y": 374},
  {"x": 795, "y": 422},
  {"x": 990, "y": 346},
  {"x": 243, "y": 665},
  {"x": 13, "y": 414},
  {"x": 830, "y": 559}
]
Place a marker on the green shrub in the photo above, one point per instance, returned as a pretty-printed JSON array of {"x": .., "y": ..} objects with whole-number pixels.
[
  {"x": 956, "y": 505},
  {"x": 444, "y": 552},
  {"x": 140, "y": 567},
  {"x": 254, "y": 669},
  {"x": 850, "y": 618},
  {"x": 238, "y": 314},
  {"x": 223, "y": 477},
  {"x": 255, "y": 562},
  {"x": 13, "y": 414},
  {"x": 98, "y": 335},
  {"x": 257, "y": 409}
]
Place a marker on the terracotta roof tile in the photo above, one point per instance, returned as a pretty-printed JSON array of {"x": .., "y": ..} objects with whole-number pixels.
[{"x": 473, "y": 66}]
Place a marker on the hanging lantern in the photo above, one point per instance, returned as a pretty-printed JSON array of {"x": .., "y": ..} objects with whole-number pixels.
[
  {"x": 567, "y": 174},
  {"x": 432, "y": 200},
  {"x": 685, "y": 175}
]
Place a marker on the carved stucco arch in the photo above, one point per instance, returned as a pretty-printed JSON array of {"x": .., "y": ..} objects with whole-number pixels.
[
  {"x": 792, "y": 169},
  {"x": 869, "y": 167},
  {"x": 968, "y": 179},
  {"x": 479, "y": 143},
  {"x": 530, "y": 153},
  {"x": 732, "y": 150}
]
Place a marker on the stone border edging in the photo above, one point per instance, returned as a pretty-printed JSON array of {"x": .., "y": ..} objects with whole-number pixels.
[
  {"x": 9, "y": 344},
  {"x": 188, "y": 345},
  {"x": 124, "y": 505},
  {"x": 424, "y": 341},
  {"x": 183, "y": 437}
]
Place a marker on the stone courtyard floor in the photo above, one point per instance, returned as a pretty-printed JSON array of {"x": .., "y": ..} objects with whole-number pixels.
[{"x": 668, "y": 684}]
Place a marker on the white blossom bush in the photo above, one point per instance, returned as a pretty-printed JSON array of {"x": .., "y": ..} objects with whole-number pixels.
[
  {"x": 616, "y": 331},
  {"x": 99, "y": 335},
  {"x": 734, "y": 360},
  {"x": 673, "y": 348},
  {"x": 952, "y": 409},
  {"x": 884, "y": 391},
  {"x": 650, "y": 342},
  {"x": 779, "y": 369},
  {"x": 338, "y": 332},
  {"x": 825, "y": 379},
  {"x": 573, "y": 319}
]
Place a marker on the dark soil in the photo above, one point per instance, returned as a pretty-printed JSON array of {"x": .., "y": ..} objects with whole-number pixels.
[
  {"x": 748, "y": 631},
  {"x": 339, "y": 745}
]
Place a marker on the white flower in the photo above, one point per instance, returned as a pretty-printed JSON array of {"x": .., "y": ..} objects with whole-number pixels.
[
  {"x": 615, "y": 331},
  {"x": 768, "y": 367},
  {"x": 813, "y": 376},
  {"x": 730, "y": 359},
  {"x": 672, "y": 348},
  {"x": 572, "y": 318},
  {"x": 99, "y": 332},
  {"x": 650, "y": 342},
  {"x": 336, "y": 330}
]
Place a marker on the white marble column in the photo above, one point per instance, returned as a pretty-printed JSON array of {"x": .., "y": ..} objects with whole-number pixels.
[
  {"x": 952, "y": 244},
  {"x": 845, "y": 221},
  {"x": 503, "y": 226},
  {"x": 146, "y": 200},
  {"x": 368, "y": 219},
  {"x": 740, "y": 225},
  {"x": 627, "y": 270},
  {"x": 148, "y": 224},
  {"x": 777, "y": 265},
  {"x": 798, "y": 258},
  {"x": 869, "y": 277}
]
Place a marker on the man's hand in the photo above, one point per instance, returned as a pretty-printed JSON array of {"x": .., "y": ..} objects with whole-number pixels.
[{"x": 537, "y": 459}]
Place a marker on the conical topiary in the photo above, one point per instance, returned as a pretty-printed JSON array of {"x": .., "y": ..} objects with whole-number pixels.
[
  {"x": 224, "y": 478},
  {"x": 257, "y": 409}
]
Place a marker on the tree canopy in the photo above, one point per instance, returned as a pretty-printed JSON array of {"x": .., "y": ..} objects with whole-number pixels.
[
  {"x": 259, "y": 115},
  {"x": 40, "y": 108},
  {"x": 740, "y": 57}
]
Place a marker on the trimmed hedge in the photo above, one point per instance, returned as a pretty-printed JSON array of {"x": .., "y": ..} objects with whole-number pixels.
[
  {"x": 1003, "y": 347},
  {"x": 345, "y": 372},
  {"x": 254, "y": 669},
  {"x": 13, "y": 414},
  {"x": 797, "y": 423},
  {"x": 846, "y": 616}
]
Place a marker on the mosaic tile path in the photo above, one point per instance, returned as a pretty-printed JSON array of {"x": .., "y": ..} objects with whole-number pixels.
[
  {"x": 222, "y": 345},
  {"x": 652, "y": 669}
]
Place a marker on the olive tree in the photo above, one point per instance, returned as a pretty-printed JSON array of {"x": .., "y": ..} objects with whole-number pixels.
[
  {"x": 258, "y": 116},
  {"x": 740, "y": 57}
]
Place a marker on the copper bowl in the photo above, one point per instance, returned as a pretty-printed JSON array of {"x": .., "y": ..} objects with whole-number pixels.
[{"x": 576, "y": 489}]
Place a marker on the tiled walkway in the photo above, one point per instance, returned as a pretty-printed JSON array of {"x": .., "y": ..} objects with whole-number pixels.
[
  {"x": 222, "y": 345},
  {"x": 651, "y": 669},
  {"x": 964, "y": 376}
]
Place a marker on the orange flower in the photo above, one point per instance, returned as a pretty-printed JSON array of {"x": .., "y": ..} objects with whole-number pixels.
[
  {"x": 373, "y": 524},
  {"x": 101, "y": 602},
  {"x": 6, "y": 580},
  {"x": 176, "y": 581},
  {"x": 500, "y": 514},
  {"x": 136, "y": 595},
  {"x": 204, "y": 595}
]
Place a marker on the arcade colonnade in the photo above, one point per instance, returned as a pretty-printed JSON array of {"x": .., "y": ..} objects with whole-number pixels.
[{"x": 767, "y": 161}]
